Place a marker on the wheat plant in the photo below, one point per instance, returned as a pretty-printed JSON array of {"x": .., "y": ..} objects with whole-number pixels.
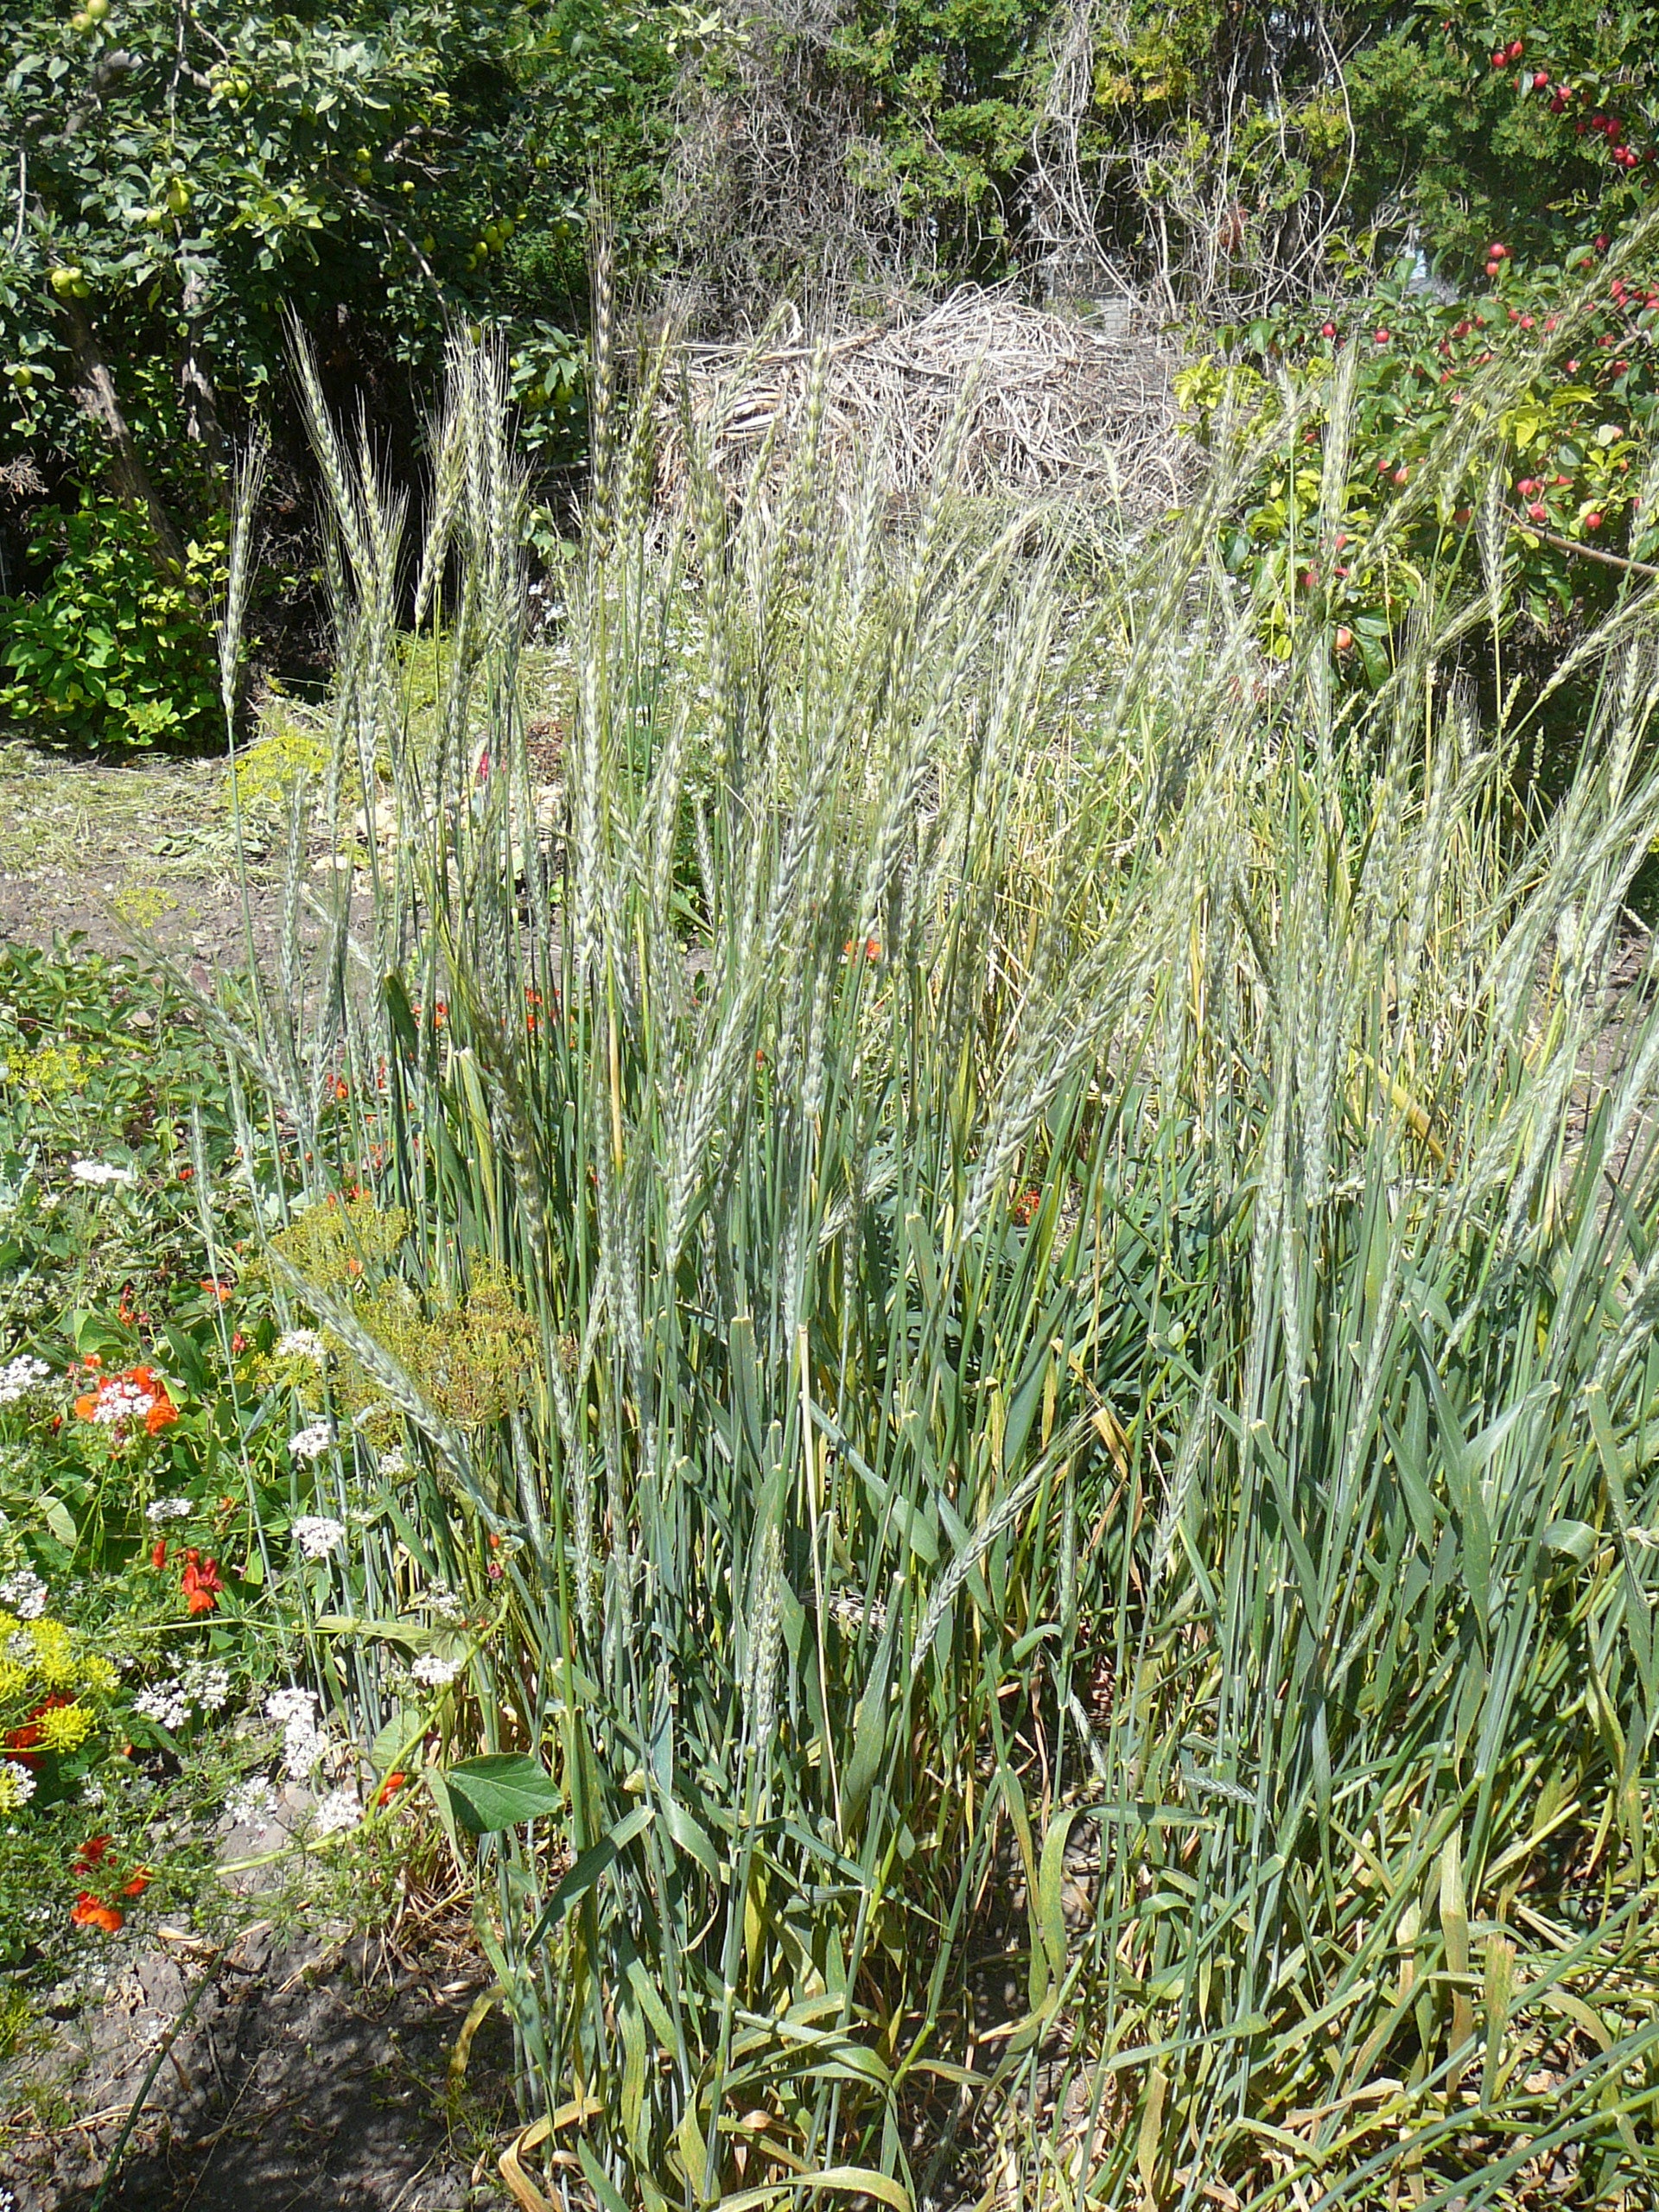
[{"x": 1006, "y": 1267}]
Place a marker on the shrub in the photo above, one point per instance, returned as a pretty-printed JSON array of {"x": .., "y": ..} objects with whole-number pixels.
[
  {"x": 1534, "y": 397},
  {"x": 109, "y": 651}
]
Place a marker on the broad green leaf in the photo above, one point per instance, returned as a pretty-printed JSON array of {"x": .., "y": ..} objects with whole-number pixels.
[{"x": 500, "y": 1789}]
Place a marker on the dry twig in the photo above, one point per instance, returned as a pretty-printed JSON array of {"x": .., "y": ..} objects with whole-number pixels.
[{"x": 1051, "y": 402}]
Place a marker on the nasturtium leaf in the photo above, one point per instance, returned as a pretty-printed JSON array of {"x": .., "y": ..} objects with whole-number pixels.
[{"x": 501, "y": 1789}]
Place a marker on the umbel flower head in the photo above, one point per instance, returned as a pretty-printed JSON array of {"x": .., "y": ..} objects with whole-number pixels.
[{"x": 45, "y": 1656}]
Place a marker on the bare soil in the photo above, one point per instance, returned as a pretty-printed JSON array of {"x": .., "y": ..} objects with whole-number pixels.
[
  {"x": 117, "y": 851},
  {"x": 311, "y": 2074}
]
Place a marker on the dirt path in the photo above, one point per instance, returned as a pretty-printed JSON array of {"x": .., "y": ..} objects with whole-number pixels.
[
  {"x": 107, "y": 849},
  {"x": 311, "y": 2075}
]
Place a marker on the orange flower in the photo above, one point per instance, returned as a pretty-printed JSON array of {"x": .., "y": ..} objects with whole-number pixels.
[
  {"x": 88, "y": 1912},
  {"x": 90, "y": 1852},
  {"x": 19, "y": 1743},
  {"x": 199, "y": 1583},
  {"x": 388, "y": 1787},
  {"x": 138, "y": 1885},
  {"x": 158, "y": 1555},
  {"x": 116, "y": 1400}
]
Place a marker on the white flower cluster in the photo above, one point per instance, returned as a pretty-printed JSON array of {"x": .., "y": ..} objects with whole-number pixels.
[
  {"x": 303, "y": 1742},
  {"x": 443, "y": 1603},
  {"x": 317, "y": 1534},
  {"x": 340, "y": 1810},
  {"x": 21, "y": 1375},
  {"x": 207, "y": 1687},
  {"x": 119, "y": 1402},
  {"x": 433, "y": 1673},
  {"x": 165, "y": 1703},
  {"x": 392, "y": 1461},
  {"x": 168, "y": 1509},
  {"x": 24, "y": 1594},
  {"x": 299, "y": 1344},
  {"x": 198, "y": 1687},
  {"x": 101, "y": 1172},
  {"x": 16, "y": 1785},
  {"x": 250, "y": 1804},
  {"x": 312, "y": 1441}
]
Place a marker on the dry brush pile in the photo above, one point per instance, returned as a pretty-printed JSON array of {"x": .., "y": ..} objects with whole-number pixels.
[{"x": 1032, "y": 400}]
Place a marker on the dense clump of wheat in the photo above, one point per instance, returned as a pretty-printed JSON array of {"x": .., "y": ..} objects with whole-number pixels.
[{"x": 1086, "y": 1312}]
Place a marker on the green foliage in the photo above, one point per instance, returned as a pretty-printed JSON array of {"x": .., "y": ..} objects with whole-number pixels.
[
  {"x": 1455, "y": 150},
  {"x": 951, "y": 93},
  {"x": 1545, "y": 377},
  {"x": 387, "y": 169},
  {"x": 98, "y": 1063},
  {"x": 112, "y": 651}
]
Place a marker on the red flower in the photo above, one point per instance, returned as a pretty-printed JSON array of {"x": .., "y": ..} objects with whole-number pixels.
[
  {"x": 158, "y": 1555},
  {"x": 138, "y": 1883},
  {"x": 199, "y": 1583},
  {"x": 390, "y": 1787},
  {"x": 88, "y": 1912},
  {"x": 90, "y": 1852}
]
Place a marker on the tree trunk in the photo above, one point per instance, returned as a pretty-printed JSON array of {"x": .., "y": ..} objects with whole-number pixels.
[
  {"x": 129, "y": 479},
  {"x": 201, "y": 422}
]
